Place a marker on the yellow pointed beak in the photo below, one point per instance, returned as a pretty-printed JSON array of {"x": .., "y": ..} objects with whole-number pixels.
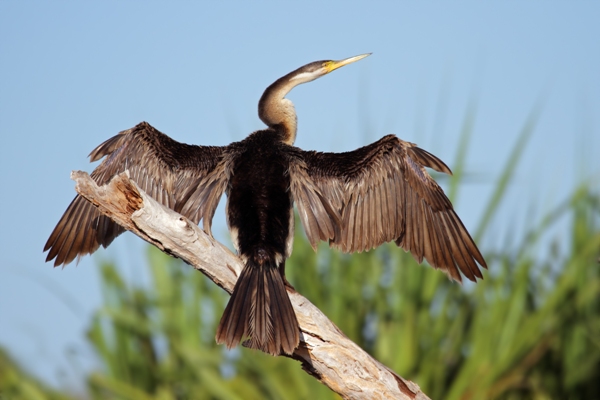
[{"x": 333, "y": 65}]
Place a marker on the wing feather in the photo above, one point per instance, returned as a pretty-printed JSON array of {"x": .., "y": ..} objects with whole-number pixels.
[
  {"x": 188, "y": 179},
  {"x": 362, "y": 227},
  {"x": 379, "y": 193},
  {"x": 318, "y": 215}
]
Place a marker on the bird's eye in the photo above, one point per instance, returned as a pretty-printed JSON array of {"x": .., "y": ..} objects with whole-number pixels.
[{"x": 328, "y": 65}]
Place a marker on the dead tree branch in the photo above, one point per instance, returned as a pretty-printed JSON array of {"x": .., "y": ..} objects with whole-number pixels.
[{"x": 324, "y": 351}]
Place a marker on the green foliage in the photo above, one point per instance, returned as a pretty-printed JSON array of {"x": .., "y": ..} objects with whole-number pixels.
[{"x": 15, "y": 384}]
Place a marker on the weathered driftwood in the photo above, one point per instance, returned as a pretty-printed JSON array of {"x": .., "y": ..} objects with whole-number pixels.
[{"x": 324, "y": 351}]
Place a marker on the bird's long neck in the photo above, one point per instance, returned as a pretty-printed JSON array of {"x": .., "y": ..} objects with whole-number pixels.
[{"x": 278, "y": 112}]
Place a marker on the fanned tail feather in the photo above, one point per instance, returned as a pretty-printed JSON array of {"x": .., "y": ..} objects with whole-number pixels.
[{"x": 260, "y": 310}]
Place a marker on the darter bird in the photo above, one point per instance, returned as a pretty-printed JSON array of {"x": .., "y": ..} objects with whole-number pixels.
[{"x": 355, "y": 200}]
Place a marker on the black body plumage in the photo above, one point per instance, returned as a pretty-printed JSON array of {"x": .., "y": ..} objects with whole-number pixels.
[
  {"x": 355, "y": 201},
  {"x": 259, "y": 201},
  {"x": 260, "y": 217}
]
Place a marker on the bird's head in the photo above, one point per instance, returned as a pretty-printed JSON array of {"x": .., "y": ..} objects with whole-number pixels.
[
  {"x": 317, "y": 69},
  {"x": 277, "y": 111}
]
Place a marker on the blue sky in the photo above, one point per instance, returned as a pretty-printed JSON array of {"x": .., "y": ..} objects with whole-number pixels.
[{"x": 74, "y": 74}]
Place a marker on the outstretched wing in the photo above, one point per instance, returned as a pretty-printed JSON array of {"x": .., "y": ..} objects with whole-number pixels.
[
  {"x": 188, "y": 179},
  {"x": 379, "y": 193}
]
